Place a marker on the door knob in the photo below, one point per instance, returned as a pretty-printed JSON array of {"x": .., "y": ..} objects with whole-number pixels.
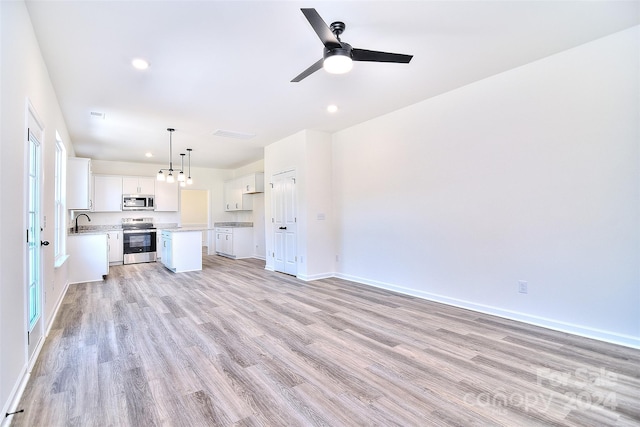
[{"x": 44, "y": 242}]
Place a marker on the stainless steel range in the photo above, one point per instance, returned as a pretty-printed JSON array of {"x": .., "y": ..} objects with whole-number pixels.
[{"x": 139, "y": 240}]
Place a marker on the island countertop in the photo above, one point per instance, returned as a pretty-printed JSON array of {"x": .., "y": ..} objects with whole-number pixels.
[{"x": 186, "y": 229}]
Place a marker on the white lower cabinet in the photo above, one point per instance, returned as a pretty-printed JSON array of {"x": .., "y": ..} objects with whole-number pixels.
[
  {"x": 88, "y": 257},
  {"x": 182, "y": 250},
  {"x": 234, "y": 242},
  {"x": 116, "y": 255},
  {"x": 158, "y": 245}
]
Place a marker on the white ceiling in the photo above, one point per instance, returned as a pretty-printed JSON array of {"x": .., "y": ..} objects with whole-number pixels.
[{"x": 228, "y": 65}]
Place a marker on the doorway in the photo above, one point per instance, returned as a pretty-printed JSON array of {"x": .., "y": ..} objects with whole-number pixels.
[
  {"x": 35, "y": 132},
  {"x": 285, "y": 226},
  {"x": 194, "y": 211}
]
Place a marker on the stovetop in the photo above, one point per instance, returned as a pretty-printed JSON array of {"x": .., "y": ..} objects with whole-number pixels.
[{"x": 137, "y": 223}]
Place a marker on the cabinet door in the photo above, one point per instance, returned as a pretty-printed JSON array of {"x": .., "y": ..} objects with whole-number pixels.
[
  {"x": 107, "y": 193},
  {"x": 168, "y": 258},
  {"x": 232, "y": 195},
  {"x": 159, "y": 244},
  {"x": 79, "y": 183},
  {"x": 167, "y": 197},
  {"x": 146, "y": 185},
  {"x": 115, "y": 246},
  {"x": 253, "y": 183},
  {"x": 224, "y": 243},
  {"x": 228, "y": 244},
  {"x": 129, "y": 185}
]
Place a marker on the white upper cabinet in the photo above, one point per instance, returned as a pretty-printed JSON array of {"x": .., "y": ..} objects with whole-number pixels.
[
  {"x": 138, "y": 185},
  {"x": 79, "y": 183},
  {"x": 253, "y": 183},
  {"x": 167, "y": 197},
  {"x": 237, "y": 192},
  {"x": 107, "y": 193}
]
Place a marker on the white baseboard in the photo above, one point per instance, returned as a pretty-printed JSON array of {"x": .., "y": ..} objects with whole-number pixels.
[
  {"x": 315, "y": 276},
  {"x": 580, "y": 330},
  {"x": 25, "y": 374},
  {"x": 57, "y": 308}
]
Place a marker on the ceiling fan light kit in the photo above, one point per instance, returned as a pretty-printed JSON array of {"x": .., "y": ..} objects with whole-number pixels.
[
  {"x": 337, "y": 61},
  {"x": 338, "y": 56}
]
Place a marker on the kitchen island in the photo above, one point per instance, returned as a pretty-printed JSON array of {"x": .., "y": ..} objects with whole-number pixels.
[{"x": 181, "y": 249}]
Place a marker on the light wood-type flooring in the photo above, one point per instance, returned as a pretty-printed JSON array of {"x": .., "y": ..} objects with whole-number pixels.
[{"x": 238, "y": 345}]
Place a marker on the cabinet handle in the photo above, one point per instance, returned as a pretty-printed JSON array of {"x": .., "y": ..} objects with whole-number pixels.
[{"x": 283, "y": 228}]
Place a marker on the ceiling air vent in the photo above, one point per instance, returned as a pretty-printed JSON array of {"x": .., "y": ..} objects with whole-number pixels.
[
  {"x": 233, "y": 134},
  {"x": 97, "y": 115}
]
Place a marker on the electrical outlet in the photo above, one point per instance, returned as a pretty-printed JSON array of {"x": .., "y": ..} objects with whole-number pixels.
[
  {"x": 523, "y": 287},
  {"x": 337, "y": 258}
]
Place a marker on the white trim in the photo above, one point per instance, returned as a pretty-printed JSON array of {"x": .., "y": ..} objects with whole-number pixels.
[
  {"x": 25, "y": 374},
  {"x": 315, "y": 276},
  {"x": 570, "y": 328},
  {"x": 59, "y": 262}
]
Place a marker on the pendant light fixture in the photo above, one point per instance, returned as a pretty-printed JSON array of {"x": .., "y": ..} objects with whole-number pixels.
[
  {"x": 181, "y": 178},
  {"x": 169, "y": 177},
  {"x": 181, "y": 174},
  {"x": 189, "y": 180}
]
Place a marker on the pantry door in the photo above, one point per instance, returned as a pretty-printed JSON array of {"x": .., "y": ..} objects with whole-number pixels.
[{"x": 285, "y": 223}]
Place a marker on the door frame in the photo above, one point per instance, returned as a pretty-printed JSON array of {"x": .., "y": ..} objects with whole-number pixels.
[{"x": 34, "y": 341}]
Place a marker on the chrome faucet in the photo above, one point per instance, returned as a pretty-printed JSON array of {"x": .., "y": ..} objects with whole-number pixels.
[{"x": 79, "y": 217}]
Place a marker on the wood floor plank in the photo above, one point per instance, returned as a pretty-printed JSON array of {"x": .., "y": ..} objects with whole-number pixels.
[{"x": 237, "y": 345}]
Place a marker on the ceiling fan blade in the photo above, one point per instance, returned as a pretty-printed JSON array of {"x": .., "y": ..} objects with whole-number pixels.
[
  {"x": 306, "y": 73},
  {"x": 375, "y": 56},
  {"x": 321, "y": 28}
]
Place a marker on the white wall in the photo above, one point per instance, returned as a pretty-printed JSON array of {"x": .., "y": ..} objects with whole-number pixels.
[
  {"x": 309, "y": 154},
  {"x": 532, "y": 174},
  {"x": 24, "y": 75}
]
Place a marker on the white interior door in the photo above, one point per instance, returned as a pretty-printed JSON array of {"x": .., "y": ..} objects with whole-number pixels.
[
  {"x": 34, "y": 244},
  {"x": 285, "y": 223}
]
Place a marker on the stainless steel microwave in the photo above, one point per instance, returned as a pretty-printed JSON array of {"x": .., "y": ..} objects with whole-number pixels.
[{"x": 137, "y": 202}]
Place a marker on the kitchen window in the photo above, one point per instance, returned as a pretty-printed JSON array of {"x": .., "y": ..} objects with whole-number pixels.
[{"x": 60, "y": 218}]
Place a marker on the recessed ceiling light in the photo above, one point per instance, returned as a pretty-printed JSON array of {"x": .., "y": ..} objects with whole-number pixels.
[
  {"x": 140, "y": 64},
  {"x": 332, "y": 108},
  {"x": 148, "y": 155}
]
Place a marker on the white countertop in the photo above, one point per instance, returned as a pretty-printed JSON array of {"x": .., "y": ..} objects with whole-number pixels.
[{"x": 186, "y": 229}]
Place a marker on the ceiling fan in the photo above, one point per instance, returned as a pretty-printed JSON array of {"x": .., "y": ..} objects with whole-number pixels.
[{"x": 338, "y": 55}]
